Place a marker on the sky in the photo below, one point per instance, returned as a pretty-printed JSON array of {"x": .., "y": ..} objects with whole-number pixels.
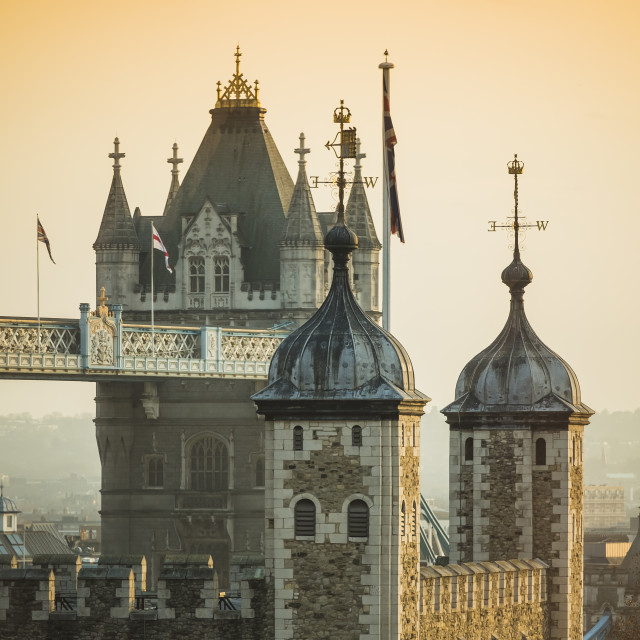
[{"x": 474, "y": 82}]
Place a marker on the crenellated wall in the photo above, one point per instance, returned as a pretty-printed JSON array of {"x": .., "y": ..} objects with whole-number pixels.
[
  {"x": 484, "y": 601},
  {"x": 108, "y": 606}
]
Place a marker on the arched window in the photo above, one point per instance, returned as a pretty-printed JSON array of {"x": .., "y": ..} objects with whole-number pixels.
[
  {"x": 468, "y": 449},
  {"x": 196, "y": 274},
  {"x": 297, "y": 438},
  {"x": 358, "y": 519},
  {"x": 403, "y": 519},
  {"x": 541, "y": 451},
  {"x": 208, "y": 465},
  {"x": 221, "y": 274},
  {"x": 155, "y": 472},
  {"x": 356, "y": 436},
  {"x": 305, "y": 518},
  {"x": 260, "y": 472}
]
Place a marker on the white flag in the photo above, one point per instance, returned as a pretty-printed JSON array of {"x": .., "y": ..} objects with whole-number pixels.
[{"x": 159, "y": 245}]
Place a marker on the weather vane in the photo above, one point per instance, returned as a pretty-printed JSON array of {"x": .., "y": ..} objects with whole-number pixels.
[
  {"x": 346, "y": 146},
  {"x": 516, "y": 167}
]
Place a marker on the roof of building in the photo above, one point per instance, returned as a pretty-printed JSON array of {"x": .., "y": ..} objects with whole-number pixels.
[
  {"x": 238, "y": 166},
  {"x": 116, "y": 227},
  {"x": 357, "y": 209},
  {"x": 517, "y": 372},
  {"x": 7, "y": 505},
  {"x": 339, "y": 354},
  {"x": 302, "y": 227}
]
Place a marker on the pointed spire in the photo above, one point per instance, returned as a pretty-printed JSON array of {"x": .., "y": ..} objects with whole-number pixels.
[
  {"x": 357, "y": 211},
  {"x": 175, "y": 181},
  {"x": 116, "y": 228},
  {"x": 302, "y": 222}
]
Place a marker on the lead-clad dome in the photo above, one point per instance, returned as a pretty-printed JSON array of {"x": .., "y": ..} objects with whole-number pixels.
[
  {"x": 517, "y": 372},
  {"x": 339, "y": 353}
]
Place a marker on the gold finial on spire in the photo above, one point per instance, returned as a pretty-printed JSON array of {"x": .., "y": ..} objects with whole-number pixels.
[{"x": 238, "y": 92}]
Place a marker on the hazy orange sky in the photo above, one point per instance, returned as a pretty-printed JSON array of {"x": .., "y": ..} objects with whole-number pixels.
[{"x": 475, "y": 81}]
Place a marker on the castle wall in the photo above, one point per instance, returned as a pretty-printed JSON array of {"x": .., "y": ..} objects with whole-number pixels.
[{"x": 484, "y": 601}]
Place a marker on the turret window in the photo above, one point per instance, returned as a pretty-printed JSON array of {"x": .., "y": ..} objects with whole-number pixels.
[
  {"x": 196, "y": 275},
  {"x": 541, "y": 451},
  {"x": 260, "y": 472},
  {"x": 305, "y": 518},
  {"x": 468, "y": 449},
  {"x": 358, "y": 519},
  {"x": 356, "y": 436},
  {"x": 221, "y": 274},
  {"x": 297, "y": 438},
  {"x": 208, "y": 465}
]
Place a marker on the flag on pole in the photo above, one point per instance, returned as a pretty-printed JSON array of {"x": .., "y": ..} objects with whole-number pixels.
[
  {"x": 389, "y": 143},
  {"x": 159, "y": 245},
  {"x": 42, "y": 237}
]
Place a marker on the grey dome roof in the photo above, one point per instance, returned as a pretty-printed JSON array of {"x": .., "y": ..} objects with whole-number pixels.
[
  {"x": 517, "y": 371},
  {"x": 8, "y": 506},
  {"x": 340, "y": 353}
]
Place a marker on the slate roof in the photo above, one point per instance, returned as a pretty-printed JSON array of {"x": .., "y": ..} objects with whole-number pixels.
[
  {"x": 517, "y": 372},
  {"x": 302, "y": 225},
  {"x": 339, "y": 355},
  {"x": 116, "y": 227},
  {"x": 237, "y": 165},
  {"x": 358, "y": 213}
]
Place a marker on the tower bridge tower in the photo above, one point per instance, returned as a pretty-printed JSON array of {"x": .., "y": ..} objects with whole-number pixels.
[{"x": 183, "y": 460}]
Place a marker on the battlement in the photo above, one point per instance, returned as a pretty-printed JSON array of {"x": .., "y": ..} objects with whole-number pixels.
[
  {"x": 106, "y": 600},
  {"x": 505, "y": 597}
]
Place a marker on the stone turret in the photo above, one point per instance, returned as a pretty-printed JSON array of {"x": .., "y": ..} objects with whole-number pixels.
[
  {"x": 516, "y": 478},
  {"x": 301, "y": 247},
  {"x": 366, "y": 259},
  {"x": 342, "y": 471},
  {"x": 117, "y": 246}
]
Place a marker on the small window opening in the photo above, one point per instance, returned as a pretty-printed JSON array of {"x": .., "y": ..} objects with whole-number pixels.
[
  {"x": 356, "y": 436},
  {"x": 468, "y": 449},
  {"x": 541, "y": 451},
  {"x": 358, "y": 519},
  {"x": 305, "y": 518},
  {"x": 297, "y": 438}
]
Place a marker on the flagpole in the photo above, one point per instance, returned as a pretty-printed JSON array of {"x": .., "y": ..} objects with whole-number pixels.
[
  {"x": 153, "y": 331},
  {"x": 38, "y": 280},
  {"x": 386, "y": 217}
]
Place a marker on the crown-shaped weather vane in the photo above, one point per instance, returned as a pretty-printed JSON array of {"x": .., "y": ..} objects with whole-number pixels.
[
  {"x": 517, "y": 224},
  {"x": 346, "y": 146}
]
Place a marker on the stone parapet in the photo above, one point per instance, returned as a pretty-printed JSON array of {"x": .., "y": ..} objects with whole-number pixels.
[
  {"x": 26, "y": 595},
  {"x": 65, "y": 567},
  {"x": 100, "y": 588},
  {"x": 503, "y": 598}
]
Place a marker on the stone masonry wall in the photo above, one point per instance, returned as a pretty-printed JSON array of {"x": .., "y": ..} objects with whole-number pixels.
[
  {"x": 576, "y": 497},
  {"x": 27, "y": 609},
  {"x": 410, "y": 541},
  {"x": 484, "y": 601}
]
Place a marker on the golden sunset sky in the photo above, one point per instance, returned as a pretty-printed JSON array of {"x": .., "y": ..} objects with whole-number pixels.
[{"x": 475, "y": 82}]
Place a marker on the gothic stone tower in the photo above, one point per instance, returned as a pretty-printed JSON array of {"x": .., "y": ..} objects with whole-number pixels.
[
  {"x": 342, "y": 464},
  {"x": 516, "y": 483},
  {"x": 183, "y": 459}
]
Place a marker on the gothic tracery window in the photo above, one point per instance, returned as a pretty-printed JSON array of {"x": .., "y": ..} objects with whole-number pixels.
[
  {"x": 196, "y": 274},
  {"x": 208, "y": 465},
  {"x": 221, "y": 274}
]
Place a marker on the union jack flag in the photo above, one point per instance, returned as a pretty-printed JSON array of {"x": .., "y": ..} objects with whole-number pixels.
[
  {"x": 42, "y": 237},
  {"x": 389, "y": 143}
]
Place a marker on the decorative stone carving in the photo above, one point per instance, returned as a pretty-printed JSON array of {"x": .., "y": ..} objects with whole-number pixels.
[{"x": 102, "y": 332}]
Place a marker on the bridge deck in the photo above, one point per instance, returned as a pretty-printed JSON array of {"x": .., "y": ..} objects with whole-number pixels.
[{"x": 99, "y": 347}]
